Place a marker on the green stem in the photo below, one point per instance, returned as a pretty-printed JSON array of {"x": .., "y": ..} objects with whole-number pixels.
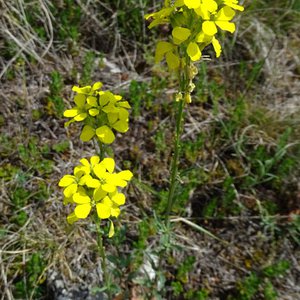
[
  {"x": 102, "y": 151},
  {"x": 183, "y": 83},
  {"x": 101, "y": 148},
  {"x": 101, "y": 250},
  {"x": 174, "y": 165}
]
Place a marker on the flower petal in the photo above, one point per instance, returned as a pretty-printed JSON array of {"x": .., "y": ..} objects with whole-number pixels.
[
  {"x": 92, "y": 101},
  {"x": 97, "y": 85},
  {"x": 80, "y": 117},
  {"x": 192, "y": 3},
  {"x": 99, "y": 194},
  {"x": 121, "y": 126},
  {"x": 67, "y": 180},
  {"x": 81, "y": 197},
  {"x": 112, "y": 117},
  {"x": 109, "y": 164},
  {"x": 110, "y": 188},
  {"x": 80, "y": 100},
  {"x": 85, "y": 162},
  {"x": 93, "y": 112},
  {"x": 118, "y": 198},
  {"x": 100, "y": 171},
  {"x": 225, "y": 14},
  {"x": 94, "y": 160},
  {"x": 103, "y": 211},
  {"x": 70, "y": 113},
  {"x": 161, "y": 49},
  {"x": 217, "y": 46},
  {"x": 209, "y": 28},
  {"x": 105, "y": 134},
  {"x": 124, "y": 104},
  {"x": 117, "y": 180},
  {"x": 71, "y": 218},
  {"x": 173, "y": 61},
  {"x": 203, "y": 38},
  {"x": 125, "y": 175},
  {"x": 111, "y": 230},
  {"x": 106, "y": 97},
  {"x": 115, "y": 211},
  {"x": 82, "y": 211},
  {"x": 225, "y": 25},
  {"x": 91, "y": 182},
  {"x": 70, "y": 190},
  {"x": 234, "y": 5},
  {"x": 180, "y": 34},
  {"x": 123, "y": 114},
  {"x": 193, "y": 51},
  {"x": 81, "y": 170},
  {"x": 87, "y": 133},
  {"x": 83, "y": 90}
]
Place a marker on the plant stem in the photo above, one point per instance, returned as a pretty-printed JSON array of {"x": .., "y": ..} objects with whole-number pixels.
[
  {"x": 183, "y": 83},
  {"x": 174, "y": 165},
  {"x": 101, "y": 250},
  {"x": 101, "y": 148}
]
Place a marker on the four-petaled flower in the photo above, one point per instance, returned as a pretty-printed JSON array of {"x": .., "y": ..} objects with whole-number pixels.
[
  {"x": 100, "y": 111},
  {"x": 195, "y": 24},
  {"x": 95, "y": 184}
]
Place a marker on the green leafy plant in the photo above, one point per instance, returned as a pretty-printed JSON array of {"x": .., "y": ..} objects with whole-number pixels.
[
  {"x": 249, "y": 287},
  {"x": 88, "y": 67},
  {"x": 31, "y": 284},
  {"x": 55, "y": 101}
]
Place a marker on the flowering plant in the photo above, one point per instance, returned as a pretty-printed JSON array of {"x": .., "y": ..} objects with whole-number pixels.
[
  {"x": 100, "y": 112},
  {"x": 195, "y": 24},
  {"x": 95, "y": 185}
]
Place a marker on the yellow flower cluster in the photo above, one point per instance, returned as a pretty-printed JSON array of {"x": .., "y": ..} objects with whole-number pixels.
[
  {"x": 94, "y": 184},
  {"x": 195, "y": 24},
  {"x": 100, "y": 111}
]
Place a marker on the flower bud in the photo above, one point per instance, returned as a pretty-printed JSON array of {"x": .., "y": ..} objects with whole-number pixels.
[
  {"x": 193, "y": 71},
  {"x": 178, "y": 97},
  {"x": 191, "y": 87},
  {"x": 187, "y": 98}
]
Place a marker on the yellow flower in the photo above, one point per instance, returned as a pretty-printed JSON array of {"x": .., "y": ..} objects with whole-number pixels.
[
  {"x": 168, "y": 50},
  {"x": 207, "y": 39},
  {"x": 206, "y": 8},
  {"x": 233, "y": 4},
  {"x": 79, "y": 112},
  {"x": 88, "y": 90},
  {"x": 95, "y": 185},
  {"x": 109, "y": 180},
  {"x": 71, "y": 182},
  {"x": 193, "y": 51},
  {"x": 85, "y": 103},
  {"x": 221, "y": 19},
  {"x": 111, "y": 103},
  {"x": 160, "y": 17},
  {"x": 119, "y": 120},
  {"x": 105, "y": 134},
  {"x": 180, "y": 34},
  {"x": 100, "y": 111},
  {"x": 195, "y": 24},
  {"x": 161, "y": 49},
  {"x": 87, "y": 133},
  {"x": 84, "y": 204}
]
